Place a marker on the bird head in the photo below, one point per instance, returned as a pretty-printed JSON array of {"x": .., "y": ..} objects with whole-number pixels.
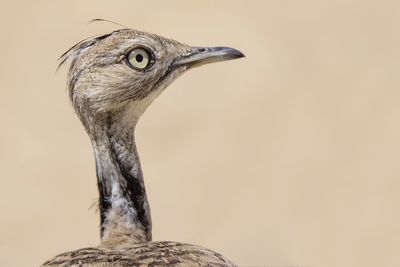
[{"x": 119, "y": 74}]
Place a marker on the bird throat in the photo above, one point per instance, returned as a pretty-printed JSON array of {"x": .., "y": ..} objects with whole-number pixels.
[{"x": 124, "y": 209}]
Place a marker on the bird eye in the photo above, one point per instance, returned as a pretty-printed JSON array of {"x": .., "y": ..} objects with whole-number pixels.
[{"x": 139, "y": 58}]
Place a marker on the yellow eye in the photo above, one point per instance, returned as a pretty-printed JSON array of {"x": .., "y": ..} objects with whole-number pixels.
[{"x": 139, "y": 58}]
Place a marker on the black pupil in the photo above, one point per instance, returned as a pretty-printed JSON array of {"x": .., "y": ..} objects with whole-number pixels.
[{"x": 139, "y": 58}]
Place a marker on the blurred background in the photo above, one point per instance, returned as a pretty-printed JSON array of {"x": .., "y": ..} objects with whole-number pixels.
[{"x": 289, "y": 157}]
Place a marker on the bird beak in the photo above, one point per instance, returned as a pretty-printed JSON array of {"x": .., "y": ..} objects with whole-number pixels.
[{"x": 203, "y": 55}]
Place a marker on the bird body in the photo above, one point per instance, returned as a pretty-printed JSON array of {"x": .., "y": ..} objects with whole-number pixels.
[
  {"x": 112, "y": 79},
  {"x": 161, "y": 253}
]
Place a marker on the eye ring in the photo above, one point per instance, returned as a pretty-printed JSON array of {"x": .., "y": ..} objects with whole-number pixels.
[{"x": 139, "y": 58}]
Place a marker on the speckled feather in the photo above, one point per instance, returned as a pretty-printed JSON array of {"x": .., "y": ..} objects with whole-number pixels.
[{"x": 141, "y": 254}]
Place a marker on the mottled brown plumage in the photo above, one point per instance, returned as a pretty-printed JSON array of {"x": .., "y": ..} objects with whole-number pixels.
[
  {"x": 112, "y": 79},
  {"x": 162, "y": 253}
]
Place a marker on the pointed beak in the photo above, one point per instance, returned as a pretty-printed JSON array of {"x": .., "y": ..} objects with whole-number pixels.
[{"x": 203, "y": 55}]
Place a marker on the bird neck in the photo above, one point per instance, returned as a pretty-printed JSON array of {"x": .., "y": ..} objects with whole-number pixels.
[{"x": 124, "y": 209}]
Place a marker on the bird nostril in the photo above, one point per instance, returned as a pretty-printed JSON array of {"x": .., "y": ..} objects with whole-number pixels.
[{"x": 202, "y": 50}]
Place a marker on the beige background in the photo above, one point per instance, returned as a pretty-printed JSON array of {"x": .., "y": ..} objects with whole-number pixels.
[{"x": 288, "y": 157}]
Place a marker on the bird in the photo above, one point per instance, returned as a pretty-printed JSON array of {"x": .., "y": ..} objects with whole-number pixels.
[{"x": 111, "y": 81}]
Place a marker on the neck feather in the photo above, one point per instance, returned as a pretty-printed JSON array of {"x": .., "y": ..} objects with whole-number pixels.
[{"x": 124, "y": 209}]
